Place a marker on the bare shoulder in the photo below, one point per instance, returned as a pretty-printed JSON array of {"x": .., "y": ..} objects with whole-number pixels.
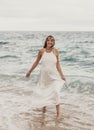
[
  {"x": 56, "y": 51},
  {"x": 41, "y": 51}
]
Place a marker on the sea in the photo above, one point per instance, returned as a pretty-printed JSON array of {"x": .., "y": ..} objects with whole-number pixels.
[{"x": 18, "y": 51}]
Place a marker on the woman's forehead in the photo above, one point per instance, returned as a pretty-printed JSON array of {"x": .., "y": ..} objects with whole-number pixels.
[{"x": 50, "y": 38}]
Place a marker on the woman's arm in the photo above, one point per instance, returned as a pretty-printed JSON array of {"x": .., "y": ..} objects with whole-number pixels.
[
  {"x": 35, "y": 63},
  {"x": 58, "y": 66}
]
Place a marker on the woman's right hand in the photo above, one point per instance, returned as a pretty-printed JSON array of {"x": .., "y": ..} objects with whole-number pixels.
[{"x": 28, "y": 74}]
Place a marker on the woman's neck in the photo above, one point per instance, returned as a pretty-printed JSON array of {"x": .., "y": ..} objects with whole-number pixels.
[{"x": 47, "y": 48}]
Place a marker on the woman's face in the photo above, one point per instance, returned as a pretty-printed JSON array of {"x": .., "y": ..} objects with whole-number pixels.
[{"x": 50, "y": 42}]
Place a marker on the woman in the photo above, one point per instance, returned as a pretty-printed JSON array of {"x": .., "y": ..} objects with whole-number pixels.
[{"x": 51, "y": 76}]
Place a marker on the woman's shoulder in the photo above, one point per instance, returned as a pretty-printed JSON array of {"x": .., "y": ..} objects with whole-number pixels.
[
  {"x": 55, "y": 50},
  {"x": 41, "y": 50}
]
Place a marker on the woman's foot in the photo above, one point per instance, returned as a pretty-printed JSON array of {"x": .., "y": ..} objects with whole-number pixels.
[{"x": 44, "y": 109}]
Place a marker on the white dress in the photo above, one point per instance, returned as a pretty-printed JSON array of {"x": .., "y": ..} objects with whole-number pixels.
[{"x": 47, "y": 91}]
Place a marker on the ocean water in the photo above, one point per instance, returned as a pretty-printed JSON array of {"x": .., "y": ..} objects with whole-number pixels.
[{"x": 18, "y": 51}]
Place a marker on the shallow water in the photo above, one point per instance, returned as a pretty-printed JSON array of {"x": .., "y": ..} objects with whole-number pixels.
[
  {"x": 76, "y": 108},
  {"x": 77, "y": 113}
]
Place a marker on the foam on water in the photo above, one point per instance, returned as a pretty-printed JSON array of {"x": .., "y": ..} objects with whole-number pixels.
[{"x": 16, "y": 112}]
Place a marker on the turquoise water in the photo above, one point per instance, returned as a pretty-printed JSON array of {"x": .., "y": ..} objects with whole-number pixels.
[{"x": 18, "y": 51}]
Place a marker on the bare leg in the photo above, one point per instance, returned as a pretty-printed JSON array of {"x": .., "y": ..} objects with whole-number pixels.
[
  {"x": 58, "y": 111},
  {"x": 44, "y": 109}
]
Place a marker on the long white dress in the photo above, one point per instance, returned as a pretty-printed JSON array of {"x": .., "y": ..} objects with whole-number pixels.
[{"x": 47, "y": 91}]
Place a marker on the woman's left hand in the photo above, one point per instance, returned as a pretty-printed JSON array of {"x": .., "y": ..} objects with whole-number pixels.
[{"x": 64, "y": 78}]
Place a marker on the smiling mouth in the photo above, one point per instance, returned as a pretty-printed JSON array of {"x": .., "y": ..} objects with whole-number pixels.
[{"x": 49, "y": 43}]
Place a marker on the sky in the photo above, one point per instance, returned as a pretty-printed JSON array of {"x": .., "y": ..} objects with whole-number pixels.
[{"x": 47, "y": 15}]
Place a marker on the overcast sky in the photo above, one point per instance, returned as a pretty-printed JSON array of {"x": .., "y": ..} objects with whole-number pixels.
[{"x": 47, "y": 15}]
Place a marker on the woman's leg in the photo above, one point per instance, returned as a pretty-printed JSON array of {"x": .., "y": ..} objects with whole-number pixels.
[
  {"x": 44, "y": 109},
  {"x": 58, "y": 111}
]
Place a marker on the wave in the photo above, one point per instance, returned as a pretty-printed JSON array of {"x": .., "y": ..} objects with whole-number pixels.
[
  {"x": 9, "y": 56},
  {"x": 80, "y": 87},
  {"x": 70, "y": 58},
  {"x": 80, "y": 84},
  {"x": 3, "y": 43},
  {"x": 85, "y": 41},
  {"x": 74, "y": 83}
]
